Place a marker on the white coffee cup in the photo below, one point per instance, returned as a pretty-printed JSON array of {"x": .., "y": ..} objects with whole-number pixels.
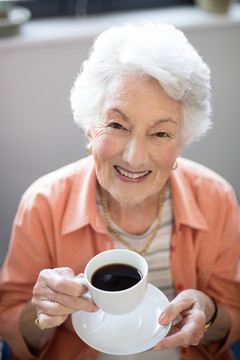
[{"x": 123, "y": 301}]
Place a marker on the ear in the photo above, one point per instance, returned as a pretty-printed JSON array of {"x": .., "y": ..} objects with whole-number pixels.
[{"x": 89, "y": 134}]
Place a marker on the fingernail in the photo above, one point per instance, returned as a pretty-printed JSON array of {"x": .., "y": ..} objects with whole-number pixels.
[{"x": 163, "y": 319}]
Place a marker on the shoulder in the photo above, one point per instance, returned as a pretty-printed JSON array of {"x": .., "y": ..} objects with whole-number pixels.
[
  {"x": 200, "y": 193},
  {"x": 199, "y": 175},
  {"x": 204, "y": 186},
  {"x": 58, "y": 183}
]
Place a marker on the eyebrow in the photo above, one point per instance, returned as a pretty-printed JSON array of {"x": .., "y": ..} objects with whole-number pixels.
[
  {"x": 165, "y": 120},
  {"x": 156, "y": 123},
  {"x": 120, "y": 113}
]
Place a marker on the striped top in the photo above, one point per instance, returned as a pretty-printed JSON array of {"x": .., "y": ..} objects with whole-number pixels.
[
  {"x": 158, "y": 259},
  {"x": 158, "y": 253}
]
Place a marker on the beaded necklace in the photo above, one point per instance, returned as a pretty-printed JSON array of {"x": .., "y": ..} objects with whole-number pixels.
[{"x": 143, "y": 249}]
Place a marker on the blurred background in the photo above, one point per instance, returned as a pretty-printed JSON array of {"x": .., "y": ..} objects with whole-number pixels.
[{"x": 40, "y": 56}]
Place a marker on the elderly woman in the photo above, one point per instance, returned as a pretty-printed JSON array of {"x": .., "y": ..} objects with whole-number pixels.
[{"x": 142, "y": 95}]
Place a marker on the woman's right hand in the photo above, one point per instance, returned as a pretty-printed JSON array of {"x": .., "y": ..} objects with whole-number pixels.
[{"x": 58, "y": 293}]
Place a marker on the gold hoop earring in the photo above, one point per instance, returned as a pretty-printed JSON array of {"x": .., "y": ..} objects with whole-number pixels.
[
  {"x": 175, "y": 165},
  {"x": 89, "y": 149}
]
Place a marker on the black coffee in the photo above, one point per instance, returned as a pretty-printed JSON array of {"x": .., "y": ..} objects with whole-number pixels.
[{"x": 116, "y": 277}]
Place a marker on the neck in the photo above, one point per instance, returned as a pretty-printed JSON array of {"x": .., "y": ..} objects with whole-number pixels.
[{"x": 133, "y": 218}]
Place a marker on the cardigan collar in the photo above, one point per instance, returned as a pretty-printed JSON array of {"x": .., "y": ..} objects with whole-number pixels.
[
  {"x": 186, "y": 210},
  {"x": 81, "y": 209}
]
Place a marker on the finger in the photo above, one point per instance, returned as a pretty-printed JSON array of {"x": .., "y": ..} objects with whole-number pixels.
[
  {"x": 182, "y": 302},
  {"x": 54, "y": 308},
  {"x": 80, "y": 276},
  {"x": 47, "y": 294},
  {"x": 78, "y": 280},
  {"x": 171, "y": 312},
  {"x": 65, "y": 272},
  {"x": 62, "y": 284},
  {"x": 188, "y": 335},
  {"x": 56, "y": 303},
  {"x": 47, "y": 321},
  {"x": 59, "y": 280}
]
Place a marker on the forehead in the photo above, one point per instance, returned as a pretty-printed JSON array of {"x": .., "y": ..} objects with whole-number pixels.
[{"x": 141, "y": 95}]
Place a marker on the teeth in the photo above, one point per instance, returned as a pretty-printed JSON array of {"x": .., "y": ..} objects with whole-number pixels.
[{"x": 131, "y": 175}]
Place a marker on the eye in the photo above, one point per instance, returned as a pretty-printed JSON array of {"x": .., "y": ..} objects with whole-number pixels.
[
  {"x": 161, "y": 134},
  {"x": 116, "y": 125}
]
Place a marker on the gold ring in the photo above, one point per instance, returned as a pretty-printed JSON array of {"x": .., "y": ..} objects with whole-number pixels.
[{"x": 38, "y": 325}]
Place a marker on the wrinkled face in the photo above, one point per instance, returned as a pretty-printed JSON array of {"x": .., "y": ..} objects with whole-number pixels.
[{"x": 136, "y": 140}]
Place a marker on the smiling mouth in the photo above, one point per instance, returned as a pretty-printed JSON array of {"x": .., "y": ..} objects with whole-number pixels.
[{"x": 131, "y": 175}]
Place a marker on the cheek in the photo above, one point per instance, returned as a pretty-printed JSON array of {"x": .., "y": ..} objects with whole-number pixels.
[
  {"x": 101, "y": 166},
  {"x": 104, "y": 148},
  {"x": 165, "y": 157},
  {"x": 104, "y": 153}
]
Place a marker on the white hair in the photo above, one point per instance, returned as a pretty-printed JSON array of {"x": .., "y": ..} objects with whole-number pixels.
[{"x": 159, "y": 51}]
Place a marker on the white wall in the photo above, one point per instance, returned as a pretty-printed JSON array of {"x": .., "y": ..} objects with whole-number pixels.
[{"x": 37, "y": 71}]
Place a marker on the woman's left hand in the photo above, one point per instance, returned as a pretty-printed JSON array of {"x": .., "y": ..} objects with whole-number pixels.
[{"x": 189, "y": 312}]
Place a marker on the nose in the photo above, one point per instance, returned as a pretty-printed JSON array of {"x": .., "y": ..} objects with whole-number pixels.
[{"x": 136, "y": 153}]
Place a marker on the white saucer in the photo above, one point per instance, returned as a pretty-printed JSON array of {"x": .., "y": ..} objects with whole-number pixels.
[{"x": 124, "y": 334}]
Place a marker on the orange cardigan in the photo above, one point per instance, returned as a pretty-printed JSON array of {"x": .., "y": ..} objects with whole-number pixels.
[{"x": 58, "y": 225}]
